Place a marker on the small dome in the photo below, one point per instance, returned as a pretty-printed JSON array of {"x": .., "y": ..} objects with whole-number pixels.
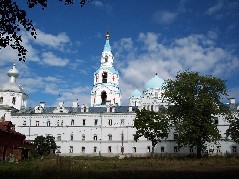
[
  {"x": 136, "y": 93},
  {"x": 154, "y": 83},
  {"x": 13, "y": 72}
]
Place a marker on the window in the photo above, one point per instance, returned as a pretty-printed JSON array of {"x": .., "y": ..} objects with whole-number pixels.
[
  {"x": 134, "y": 149},
  {"x": 72, "y": 137},
  {"x": 58, "y": 149},
  {"x": 72, "y": 122},
  {"x": 122, "y": 149},
  {"x": 110, "y": 122},
  {"x": 218, "y": 149},
  {"x": 191, "y": 149},
  {"x": 162, "y": 149},
  {"x": 95, "y": 149},
  {"x": 37, "y": 123},
  {"x": 148, "y": 148},
  {"x": 84, "y": 109},
  {"x": 104, "y": 77},
  {"x": 122, "y": 122},
  {"x": 13, "y": 100},
  {"x": 175, "y": 148},
  {"x": 24, "y": 123},
  {"x": 110, "y": 137},
  {"x": 96, "y": 122},
  {"x": 83, "y": 136},
  {"x": 152, "y": 107},
  {"x": 58, "y": 122},
  {"x": 103, "y": 97},
  {"x": 156, "y": 94},
  {"x": 62, "y": 123},
  {"x": 71, "y": 149},
  {"x": 83, "y": 149},
  {"x": 109, "y": 149},
  {"x": 234, "y": 149},
  {"x": 216, "y": 120},
  {"x": 175, "y": 136},
  {"x": 1, "y": 99},
  {"x": 95, "y": 137},
  {"x": 58, "y": 137},
  {"x": 83, "y": 122},
  {"x": 48, "y": 123}
]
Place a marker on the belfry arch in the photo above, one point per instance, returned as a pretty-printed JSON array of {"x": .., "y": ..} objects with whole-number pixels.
[
  {"x": 103, "y": 97},
  {"x": 104, "y": 77}
]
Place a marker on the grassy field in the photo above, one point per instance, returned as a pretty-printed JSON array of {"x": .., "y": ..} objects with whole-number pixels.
[{"x": 99, "y": 167}]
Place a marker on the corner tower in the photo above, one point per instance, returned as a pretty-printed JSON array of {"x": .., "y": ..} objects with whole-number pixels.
[{"x": 106, "y": 80}]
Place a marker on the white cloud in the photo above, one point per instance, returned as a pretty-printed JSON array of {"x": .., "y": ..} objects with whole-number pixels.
[
  {"x": 164, "y": 17},
  {"x": 195, "y": 53},
  {"x": 98, "y": 4},
  {"x": 55, "y": 41},
  {"x": 80, "y": 94},
  {"x": 215, "y": 8},
  {"x": 50, "y": 59}
]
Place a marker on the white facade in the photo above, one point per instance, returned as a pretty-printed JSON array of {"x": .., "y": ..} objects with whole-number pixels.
[{"x": 105, "y": 128}]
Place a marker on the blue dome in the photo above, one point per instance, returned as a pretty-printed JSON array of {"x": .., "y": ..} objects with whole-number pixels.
[
  {"x": 136, "y": 93},
  {"x": 154, "y": 83}
]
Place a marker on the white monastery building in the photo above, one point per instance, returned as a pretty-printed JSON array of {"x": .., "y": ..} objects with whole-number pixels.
[{"x": 105, "y": 128}]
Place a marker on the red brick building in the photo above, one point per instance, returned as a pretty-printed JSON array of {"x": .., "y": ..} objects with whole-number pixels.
[{"x": 11, "y": 142}]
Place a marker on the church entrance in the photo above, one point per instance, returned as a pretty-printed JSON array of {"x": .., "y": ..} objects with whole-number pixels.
[{"x": 103, "y": 97}]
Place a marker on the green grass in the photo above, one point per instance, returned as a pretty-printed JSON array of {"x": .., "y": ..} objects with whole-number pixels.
[{"x": 102, "y": 167}]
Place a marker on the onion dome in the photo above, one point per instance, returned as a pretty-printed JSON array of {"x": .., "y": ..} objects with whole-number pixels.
[
  {"x": 13, "y": 72},
  {"x": 136, "y": 93},
  {"x": 11, "y": 85},
  {"x": 154, "y": 83}
]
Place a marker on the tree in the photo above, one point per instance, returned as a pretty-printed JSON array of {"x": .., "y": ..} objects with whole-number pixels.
[
  {"x": 154, "y": 126},
  {"x": 196, "y": 101},
  {"x": 13, "y": 19},
  {"x": 233, "y": 130},
  {"x": 44, "y": 145}
]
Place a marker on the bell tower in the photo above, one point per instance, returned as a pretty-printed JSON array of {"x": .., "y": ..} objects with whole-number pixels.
[{"x": 106, "y": 80}]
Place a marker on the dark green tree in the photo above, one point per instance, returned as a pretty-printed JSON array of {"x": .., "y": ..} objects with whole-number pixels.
[
  {"x": 13, "y": 19},
  {"x": 44, "y": 145},
  {"x": 196, "y": 101},
  {"x": 233, "y": 130},
  {"x": 154, "y": 126}
]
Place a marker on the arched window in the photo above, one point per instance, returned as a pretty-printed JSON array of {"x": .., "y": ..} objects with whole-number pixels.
[
  {"x": 1, "y": 99},
  {"x": 152, "y": 107},
  {"x": 110, "y": 137},
  {"x": 106, "y": 59},
  {"x": 13, "y": 100},
  {"x": 103, "y": 97},
  {"x": 104, "y": 77},
  {"x": 156, "y": 94}
]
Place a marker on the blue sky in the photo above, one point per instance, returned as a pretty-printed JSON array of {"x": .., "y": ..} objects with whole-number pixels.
[{"x": 147, "y": 37}]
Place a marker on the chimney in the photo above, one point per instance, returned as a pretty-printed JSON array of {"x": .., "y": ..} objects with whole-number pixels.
[
  {"x": 232, "y": 100},
  {"x": 75, "y": 104},
  {"x": 130, "y": 109},
  {"x": 42, "y": 104}
]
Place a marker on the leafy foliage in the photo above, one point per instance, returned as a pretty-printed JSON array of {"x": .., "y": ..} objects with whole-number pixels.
[
  {"x": 13, "y": 19},
  {"x": 196, "y": 101},
  {"x": 233, "y": 130},
  {"x": 154, "y": 126},
  {"x": 44, "y": 144}
]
